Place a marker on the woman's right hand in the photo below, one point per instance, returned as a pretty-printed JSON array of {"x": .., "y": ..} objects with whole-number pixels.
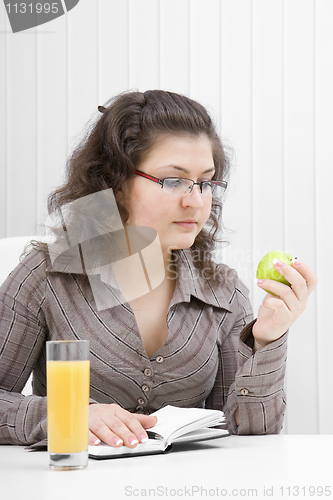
[{"x": 115, "y": 426}]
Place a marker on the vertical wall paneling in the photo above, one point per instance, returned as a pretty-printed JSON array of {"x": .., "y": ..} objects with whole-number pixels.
[
  {"x": 300, "y": 203},
  {"x": 324, "y": 206},
  {"x": 236, "y": 121},
  {"x": 52, "y": 105},
  {"x": 174, "y": 46},
  {"x": 267, "y": 108},
  {"x": 83, "y": 62},
  {"x": 113, "y": 49},
  {"x": 144, "y": 44},
  {"x": 3, "y": 122},
  {"x": 205, "y": 54},
  {"x": 21, "y": 133}
]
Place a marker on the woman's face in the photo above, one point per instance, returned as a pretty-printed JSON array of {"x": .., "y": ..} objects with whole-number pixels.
[{"x": 177, "y": 218}]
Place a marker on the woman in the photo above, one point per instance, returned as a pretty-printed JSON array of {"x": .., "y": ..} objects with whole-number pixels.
[{"x": 190, "y": 339}]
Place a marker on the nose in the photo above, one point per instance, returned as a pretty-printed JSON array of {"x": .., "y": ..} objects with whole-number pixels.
[{"x": 193, "y": 198}]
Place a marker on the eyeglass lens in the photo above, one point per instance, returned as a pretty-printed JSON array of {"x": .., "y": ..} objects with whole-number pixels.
[{"x": 178, "y": 185}]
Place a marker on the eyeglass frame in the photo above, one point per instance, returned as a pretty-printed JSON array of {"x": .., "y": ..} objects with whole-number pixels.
[{"x": 222, "y": 184}]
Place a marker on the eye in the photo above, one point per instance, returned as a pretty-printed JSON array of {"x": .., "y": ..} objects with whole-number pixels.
[
  {"x": 172, "y": 183},
  {"x": 206, "y": 186}
]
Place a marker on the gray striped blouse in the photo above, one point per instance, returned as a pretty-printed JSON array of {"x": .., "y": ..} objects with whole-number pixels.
[{"x": 207, "y": 359}]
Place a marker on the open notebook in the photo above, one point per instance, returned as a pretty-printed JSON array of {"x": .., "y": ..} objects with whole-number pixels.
[{"x": 174, "y": 425}]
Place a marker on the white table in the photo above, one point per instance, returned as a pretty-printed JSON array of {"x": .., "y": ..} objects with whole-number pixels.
[{"x": 235, "y": 466}]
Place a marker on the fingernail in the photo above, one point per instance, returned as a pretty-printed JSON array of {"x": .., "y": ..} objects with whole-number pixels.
[
  {"x": 260, "y": 282},
  {"x": 143, "y": 438},
  {"x": 96, "y": 442},
  {"x": 296, "y": 262},
  {"x": 117, "y": 441},
  {"x": 133, "y": 441},
  {"x": 277, "y": 262}
]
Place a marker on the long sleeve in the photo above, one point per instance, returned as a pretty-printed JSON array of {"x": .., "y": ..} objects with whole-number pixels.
[
  {"x": 22, "y": 339},
  {"x": 252, "y": 382},
  {"x": 259, "y": 387}
]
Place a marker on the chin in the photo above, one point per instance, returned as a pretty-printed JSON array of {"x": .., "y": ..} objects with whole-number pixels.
[{"x": 184, "y": 244}]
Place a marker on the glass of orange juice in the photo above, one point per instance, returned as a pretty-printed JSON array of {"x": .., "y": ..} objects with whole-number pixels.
[{"x": 67, "y": 372}]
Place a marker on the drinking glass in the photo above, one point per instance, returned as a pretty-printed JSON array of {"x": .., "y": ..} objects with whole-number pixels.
[{"x": 68, "y": 374}]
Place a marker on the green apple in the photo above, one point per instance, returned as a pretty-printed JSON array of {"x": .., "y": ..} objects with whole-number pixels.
[{"x": 266, "y": 269}]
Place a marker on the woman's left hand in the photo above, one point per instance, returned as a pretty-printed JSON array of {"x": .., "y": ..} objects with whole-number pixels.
[{"x": 278, "y": 312}]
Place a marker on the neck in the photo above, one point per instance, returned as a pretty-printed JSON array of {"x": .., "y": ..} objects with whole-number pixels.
[{"x": 159, "y": 263}]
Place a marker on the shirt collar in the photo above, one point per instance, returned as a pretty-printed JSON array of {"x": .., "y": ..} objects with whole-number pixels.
[{"x": 190, "y": 282}]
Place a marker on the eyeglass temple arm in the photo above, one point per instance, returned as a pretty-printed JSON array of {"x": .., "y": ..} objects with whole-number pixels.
[
  {"x": 223, "y": 184},
  {"x": 150, "y": 177}
]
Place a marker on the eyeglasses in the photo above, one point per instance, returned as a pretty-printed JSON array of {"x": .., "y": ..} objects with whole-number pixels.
[{"x": 180, "y": 185}]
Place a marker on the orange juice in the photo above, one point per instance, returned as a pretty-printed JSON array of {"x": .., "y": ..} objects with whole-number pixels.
[{"x": 67, "y": 406}]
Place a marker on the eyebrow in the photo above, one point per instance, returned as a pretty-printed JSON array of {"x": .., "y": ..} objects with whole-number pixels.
[{"x": 185, "y": 170}]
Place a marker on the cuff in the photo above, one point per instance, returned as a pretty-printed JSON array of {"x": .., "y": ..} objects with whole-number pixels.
[
  {"x": 31, "y": 420},
  {"x": 262, "y": 375}
]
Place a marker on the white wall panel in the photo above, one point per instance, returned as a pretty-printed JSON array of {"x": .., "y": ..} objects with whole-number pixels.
[
  {"x": 205, "y": 54},
  {"x": 21, "y": 134},
  {"x": 323, "y": 234},
  {"x": 267, "y": 130},
  {"x": 236, "y": 121},
  {"x": 52, "y": 106},
  {"x": 174, "y": 46},
  {"x": 263, "y": 69},
  {"x": 113, "y": 48},
  {"x": 299, "y": 202},
  {"x": 144, "y": 44},
  {"x": 3, "y": 124},
  {"x": 83, "y": 64}
]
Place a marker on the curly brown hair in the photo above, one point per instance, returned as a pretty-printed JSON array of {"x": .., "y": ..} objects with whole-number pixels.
[{"x": 129, "y": 126}]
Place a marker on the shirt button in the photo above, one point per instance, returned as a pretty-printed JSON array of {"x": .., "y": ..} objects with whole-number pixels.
[
  {"x": 139, "y": 408},
  {"x": 147, "y": 372},
  {"x": 159, "y": 359},
  {"x": 244, "y": 392},
  {"x": 145, "y": 388},
  {"x": 141, "y": 401}
]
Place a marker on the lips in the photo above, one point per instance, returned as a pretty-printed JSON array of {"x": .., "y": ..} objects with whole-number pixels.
[{"x": 187, "y": 223}]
